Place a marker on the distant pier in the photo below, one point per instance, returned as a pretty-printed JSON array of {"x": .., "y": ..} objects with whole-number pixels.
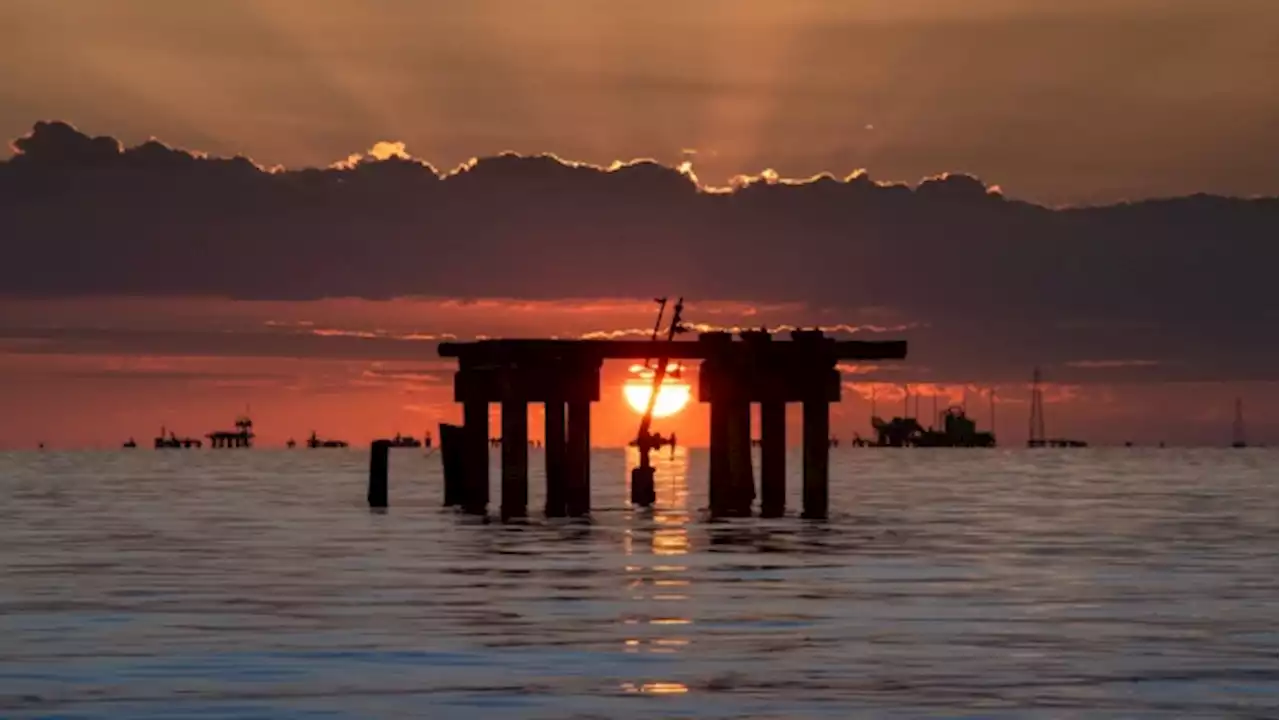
[{"x": 565, "y": 376}]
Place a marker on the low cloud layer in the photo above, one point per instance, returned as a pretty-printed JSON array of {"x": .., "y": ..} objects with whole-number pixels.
[{"x": 1179, "y": 283}]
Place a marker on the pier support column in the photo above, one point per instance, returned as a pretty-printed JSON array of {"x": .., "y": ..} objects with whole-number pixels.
[
  {"x": 720, "y": 490},
  {"x": 578, "y": 454},
  {"x": 475, "y": 416},
  {"x": 817, "y": 430},
  {"x": 741, "y": 478},
  {"x": 773, "y": 458},
  {"x": 515, "y": 459},
  {"x": 555, "y": 449},
  {"x": 378, "y": 452}
]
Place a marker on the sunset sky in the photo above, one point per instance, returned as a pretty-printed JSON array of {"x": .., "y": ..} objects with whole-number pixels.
[{"x": 985, "y": 165}]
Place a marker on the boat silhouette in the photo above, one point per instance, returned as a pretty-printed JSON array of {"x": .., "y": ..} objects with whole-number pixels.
[{"x": 317, "y": 442}]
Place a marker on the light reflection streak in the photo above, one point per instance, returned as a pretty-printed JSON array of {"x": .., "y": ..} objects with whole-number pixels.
[{"x": 650, "y": 581}]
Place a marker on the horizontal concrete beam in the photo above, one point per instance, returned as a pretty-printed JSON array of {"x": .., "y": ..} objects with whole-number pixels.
[
  {"x": 496, "y": 384},
  {"x": 715, "y": 386},
  {"x": 815, "y": 349}
]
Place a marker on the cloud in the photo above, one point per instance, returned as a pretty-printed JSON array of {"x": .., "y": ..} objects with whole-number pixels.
[
  {"x": 978, "y": 282},
  {"x": 1107, "y": 364}
]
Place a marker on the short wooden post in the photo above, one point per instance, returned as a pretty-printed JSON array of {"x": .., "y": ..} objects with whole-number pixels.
[{"x": 378, "y": 452}]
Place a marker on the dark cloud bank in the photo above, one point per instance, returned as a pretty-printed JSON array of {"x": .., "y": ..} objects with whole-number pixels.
[{"x": 1185, "y": 284}]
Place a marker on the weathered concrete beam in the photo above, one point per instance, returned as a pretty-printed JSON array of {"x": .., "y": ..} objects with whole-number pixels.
[
  {"x": 717, "y": 379},
  {"x": 499, "y": 384},
  {"x": 554, "y": 351}
]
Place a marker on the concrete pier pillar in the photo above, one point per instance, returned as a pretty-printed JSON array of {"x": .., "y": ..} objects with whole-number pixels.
[
  {"x": 773, "y": 458},
  {"x": 720, "y": 490},
  {"x": 578, "y": 454},
  {"x": 515, "y": 459},
  {"x": 741, "y": 478},
  {"x": 817, "y": 430},
  {"x": 555, "y": 456},
  {"x": 475, "y": 416},
  {"x": 378, "y": 452}
]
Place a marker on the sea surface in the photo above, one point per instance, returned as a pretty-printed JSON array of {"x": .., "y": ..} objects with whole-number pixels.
[{"x": 964, "y": 583}]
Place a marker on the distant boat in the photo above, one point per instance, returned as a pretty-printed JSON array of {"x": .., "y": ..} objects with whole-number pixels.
[
  {"x": 173, "y": 441},
  {"x": 957, "y": 431},
  {"x": 290, "y": 443},
  {"x": 129, "y": 443},
  {"x": 405, "y": 441},
  {"x": 316, "y": 442}
]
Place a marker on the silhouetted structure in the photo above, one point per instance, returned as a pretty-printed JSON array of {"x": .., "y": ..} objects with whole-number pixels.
[
  {"x": 404, "y": 441},
  {"x": 1237, "y": 427},
  {"x": 173, "y": 441},
  {"x": 1035, "y": 431},
  {"x": 317, "y": 442},
  {"x": 241, "y": 437},
  {"x": 565, "y": 375},
  {"x": 643, "y": 492},
  {"x": 452, "y": 452},
  {"x": 957, "y": 431},
  {"x": 129, "y": 444},
  {"x": 377, "y": 495}
]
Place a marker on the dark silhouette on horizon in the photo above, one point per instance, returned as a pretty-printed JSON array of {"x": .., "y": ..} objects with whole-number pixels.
[
  {"x": 315, "y": 441},
  {"x": 241, "y": 437}
]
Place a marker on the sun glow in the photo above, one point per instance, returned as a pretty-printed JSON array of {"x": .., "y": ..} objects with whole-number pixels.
[{"x": 672, "y": 397}]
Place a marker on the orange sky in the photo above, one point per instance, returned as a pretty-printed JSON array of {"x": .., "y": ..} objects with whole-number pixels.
[{"x": 351, "y": 369}]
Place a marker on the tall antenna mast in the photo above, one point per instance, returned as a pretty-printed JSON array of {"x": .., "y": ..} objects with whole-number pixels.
[
  {"x": 657, "y": 324},
  {"x": 1035, "y": 428},
  {"x": 1237, "y": 427}
]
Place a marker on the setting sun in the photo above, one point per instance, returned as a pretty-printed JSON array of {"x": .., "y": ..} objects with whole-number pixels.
[{"x": 672, "y": 398}]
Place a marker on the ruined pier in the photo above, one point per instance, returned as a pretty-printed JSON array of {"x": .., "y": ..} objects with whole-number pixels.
[{"x": 564, "y": 375}]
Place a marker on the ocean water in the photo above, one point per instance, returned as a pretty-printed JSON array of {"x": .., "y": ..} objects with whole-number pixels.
[{"x": 255, "y": 584}]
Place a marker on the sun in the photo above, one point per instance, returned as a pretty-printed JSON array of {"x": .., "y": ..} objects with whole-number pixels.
[{"x": 672, "y": 397}]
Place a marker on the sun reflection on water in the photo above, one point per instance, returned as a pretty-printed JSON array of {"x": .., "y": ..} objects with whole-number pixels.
[{"x": 656, "y": 581}]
